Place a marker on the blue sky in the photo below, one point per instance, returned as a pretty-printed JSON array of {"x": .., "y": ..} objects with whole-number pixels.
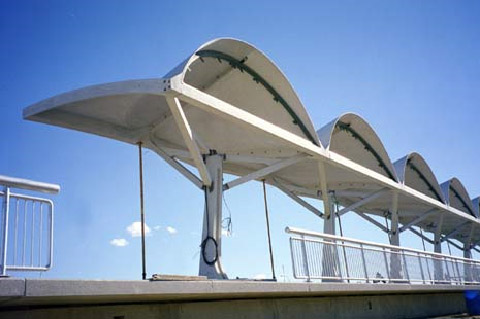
[{"x": 411, "y": 68}]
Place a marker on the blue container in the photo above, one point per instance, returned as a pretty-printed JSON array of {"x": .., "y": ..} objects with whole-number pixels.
[{"x": 472, "y": 298}]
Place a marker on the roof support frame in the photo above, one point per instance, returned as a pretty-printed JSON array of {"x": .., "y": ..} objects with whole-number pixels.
[
  {"x": 173, "y": 162},
  {"x": 414, "y": 231},
  {"x": 373, "y": 221},
  {"x": 454, "y": 244},
  {"x": 364, "y": 201},
  {"x": 188, "y": 136},
  {"x": 418, "y": 219},
  {"x": 455, "y": 231},
  {"x": 300, "y": 201},
  {"x": 265, "y": 171},
  {"x": 249, "y": 121}
]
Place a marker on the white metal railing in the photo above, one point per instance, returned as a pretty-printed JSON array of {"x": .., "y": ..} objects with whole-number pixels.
[
  {"x": 26, "y": 226},
  {"x": 332, "y": 258}
]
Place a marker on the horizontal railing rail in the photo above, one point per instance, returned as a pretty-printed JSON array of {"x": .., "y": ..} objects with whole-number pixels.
[
  {"x": 26, "y": 225},
  {"x": 333, "y": 258}
]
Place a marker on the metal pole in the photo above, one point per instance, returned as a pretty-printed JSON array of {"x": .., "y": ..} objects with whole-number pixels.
[
  {"x": 142, "y": 212},
  {"x": 343, "y": 246},
  {"x": 272, "y": 265},
  {"x": 6, "y": 202}
]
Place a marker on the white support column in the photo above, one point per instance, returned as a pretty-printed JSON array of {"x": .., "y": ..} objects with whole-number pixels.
[
  {"x": 394, "y": 233},
  {"x": 467, "y": 248},
  {"x": 395, "y": 259},
  {"x": 438, "y": 248},
  {"x": 211, "y": 246},
  {"x": 328, "y": 217},
  {"x": 467, "y": 253},
  {"x": 330, "y": 260}
]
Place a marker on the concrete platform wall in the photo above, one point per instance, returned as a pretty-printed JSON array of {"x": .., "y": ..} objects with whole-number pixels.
[
  {"x": 371, "y": 307},
  {"x": 41, "y": 299}
]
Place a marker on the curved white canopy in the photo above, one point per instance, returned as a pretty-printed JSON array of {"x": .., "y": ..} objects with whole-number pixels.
[
  {"x": 456, "y": 195},
  {"x": 353, "y": 137},
  {"x": 350, "y": 136},
  {"x": 231, "y": 70},
  {"x": 229, "y": 98},
  {"x": 413, "y": 171},
  {"x": 476, "y": 206}
]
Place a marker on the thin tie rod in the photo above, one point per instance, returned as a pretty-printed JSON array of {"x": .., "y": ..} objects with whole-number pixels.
[
  {"x": 142, "y": 212},
  {"x": 272, "y": 265}
]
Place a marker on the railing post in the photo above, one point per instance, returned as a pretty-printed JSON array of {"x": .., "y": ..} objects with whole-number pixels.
[
  {"x": 459, "y": 280},
  {"x": 6, "y": 203},
  {"x": 305, "y": 258},
  {"x": 386, "y": 264},
  {"x": 448, "y": 271},
  {"x": 421, "y": 267},
  {"x": 364, "y": 263},
  {"x": 406, "y": 267}
]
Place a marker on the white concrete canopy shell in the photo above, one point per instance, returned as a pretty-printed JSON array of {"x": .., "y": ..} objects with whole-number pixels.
[
  {"x": 351, "y": 136},
  {"x": 456, "y": 195},
  {"x": 476, "y": 206},
  {"x": 414, "y": 172}
]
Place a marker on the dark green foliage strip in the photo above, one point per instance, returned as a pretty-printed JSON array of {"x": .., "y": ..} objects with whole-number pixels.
[
  {"x": 347, "y": 128},
  {"x": 424, "y": 179},
  {"x": 461, "y": 200},
  {"x": 240, "y": 65}
]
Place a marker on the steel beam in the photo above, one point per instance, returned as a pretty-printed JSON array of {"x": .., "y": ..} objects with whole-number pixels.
[
  {"x": 188, "y": 138},
  {"x": 421, "y": 236},
  {"x": 176, "y": 165},
  {"x": 371, "y": 197},
  {"x": 297, "y": 199},
  {"x": 373, "y": 221},
  {"x": 453, "y": 244},
  {"x": 418, "y": 219},
  {"x": 455, "y": 231},
  {"x": 265, "y": 171}
]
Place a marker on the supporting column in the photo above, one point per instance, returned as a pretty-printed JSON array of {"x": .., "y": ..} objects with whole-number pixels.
[
  {"x": 211, "y": 246},
  {"x": 438, "y": 249},
  {"x": 329, "y": 220},
  {"x": 467, "y": 247},
  {"x": 467, "y": 253},
  {"x": 330, "y": 260},
  {"x": 395, "y": 259}
]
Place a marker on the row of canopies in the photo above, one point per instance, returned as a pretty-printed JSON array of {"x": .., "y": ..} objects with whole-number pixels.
[{"x": 229, "y": 98}]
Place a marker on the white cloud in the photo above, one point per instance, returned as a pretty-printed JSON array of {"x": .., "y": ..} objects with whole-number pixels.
[
  {"x": 171, "y": 230},
  {"x": 156, "y": 227},
  {"x": 119, "y": 242},
  {"x": 135, "y": 229},
  {"x": 260, "y": 276}
]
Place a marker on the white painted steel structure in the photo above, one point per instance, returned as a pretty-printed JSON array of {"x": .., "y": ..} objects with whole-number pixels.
[
  {"x": 228, "y": 108},
  {"x": 363, "y": 261},
  {"x": 27, "y": 226}
]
